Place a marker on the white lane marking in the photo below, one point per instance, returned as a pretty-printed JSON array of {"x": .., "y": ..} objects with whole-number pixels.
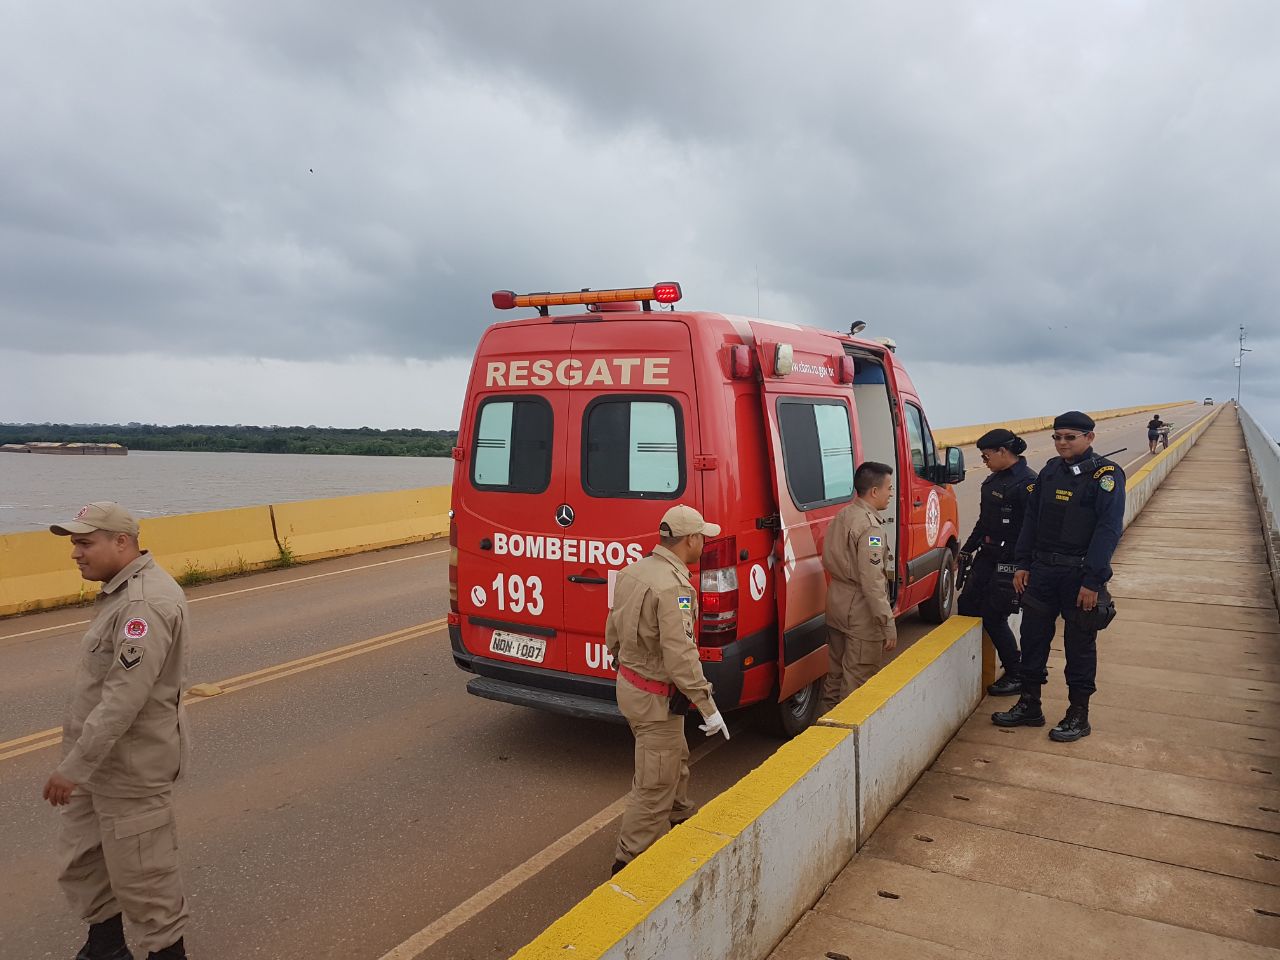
[
  {"x": 479, "y": 902},
  {"x": 232, "y": 593}
]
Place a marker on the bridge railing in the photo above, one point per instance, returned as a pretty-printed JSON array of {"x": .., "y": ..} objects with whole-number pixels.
[{"x": 1264, "y": 457}]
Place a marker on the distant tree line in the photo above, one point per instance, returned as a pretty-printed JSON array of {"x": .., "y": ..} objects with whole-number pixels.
[{"x": 363, "y": 441}]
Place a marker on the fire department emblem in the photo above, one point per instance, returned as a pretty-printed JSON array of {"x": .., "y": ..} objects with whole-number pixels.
[
  {"x": 135, "y": 629},
  {"x": 932, "y": 518}
]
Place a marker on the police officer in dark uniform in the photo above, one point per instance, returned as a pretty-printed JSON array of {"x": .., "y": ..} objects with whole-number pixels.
[
  {"x": 989, "y": 552},
  {"x": 1075, "y": 515}
]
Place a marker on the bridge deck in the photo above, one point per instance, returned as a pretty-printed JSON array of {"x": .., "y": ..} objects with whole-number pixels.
[{"x": 1157, "y": 836}]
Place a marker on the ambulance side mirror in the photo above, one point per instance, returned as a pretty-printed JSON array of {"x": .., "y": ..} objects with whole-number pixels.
[{"x": 954, "y": 460}]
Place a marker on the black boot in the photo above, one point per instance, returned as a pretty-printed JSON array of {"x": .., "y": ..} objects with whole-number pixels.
[
  {"x": 106, "y": 941},
  {"x": 1073, "y": 726},
  {"x": 1025, "y": 713},
  {"x": 174, "y": 951},
  {"x": 1006, "y": 686}
]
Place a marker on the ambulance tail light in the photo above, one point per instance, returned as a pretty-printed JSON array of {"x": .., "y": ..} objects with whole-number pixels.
[
  {"x": 453, "y": 566},
  {"x": 718, "y": 592}
]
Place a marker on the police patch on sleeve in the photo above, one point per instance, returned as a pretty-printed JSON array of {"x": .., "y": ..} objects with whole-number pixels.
[
  {"x": 874, "y": 540},
  {"x": 1107, "y": 483},
  {"x": 131, "y": 655},
  {"x": 1107, "y": 469},
  {"x": 135, "y": 629},
  {"x": 684, "y": 603}
]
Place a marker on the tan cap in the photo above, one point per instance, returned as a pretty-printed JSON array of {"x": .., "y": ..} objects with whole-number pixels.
[
  {"x": 682, "y": 521},
  {"x": 102, "y": 515}
]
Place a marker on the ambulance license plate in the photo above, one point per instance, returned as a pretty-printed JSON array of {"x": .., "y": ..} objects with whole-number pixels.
[{"x": 518, "y": 645}]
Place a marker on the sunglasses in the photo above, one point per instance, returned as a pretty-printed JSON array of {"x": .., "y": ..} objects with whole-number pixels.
[{"x": 1067, "y": 437}]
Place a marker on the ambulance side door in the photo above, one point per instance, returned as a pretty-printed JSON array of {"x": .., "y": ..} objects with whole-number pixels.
[
  {"x": 921, "y": 504},
  {"x": 811, "y": 432}
]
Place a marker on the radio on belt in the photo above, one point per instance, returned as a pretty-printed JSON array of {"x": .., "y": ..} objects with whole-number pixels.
[{"x": 580, "y": 428}]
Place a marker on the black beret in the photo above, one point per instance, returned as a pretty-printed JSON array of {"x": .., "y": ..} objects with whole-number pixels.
[
  {"x": 1073, "y": 420},
  {"x": 994, "y": 439}
]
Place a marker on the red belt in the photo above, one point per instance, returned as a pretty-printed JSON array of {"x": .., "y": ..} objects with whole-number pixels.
[{"x": 644, "y": 683}]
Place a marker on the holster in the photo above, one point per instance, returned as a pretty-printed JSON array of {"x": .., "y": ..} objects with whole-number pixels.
[
  {"x": 679, "y": 704},
  {"x": 1099, "y": 618}
]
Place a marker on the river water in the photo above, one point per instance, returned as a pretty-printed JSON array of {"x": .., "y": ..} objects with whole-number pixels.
[{"x": 39, "y": 489}]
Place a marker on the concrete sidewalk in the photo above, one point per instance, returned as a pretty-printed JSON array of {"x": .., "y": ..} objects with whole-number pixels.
[{"x": 1157, "y": 836}]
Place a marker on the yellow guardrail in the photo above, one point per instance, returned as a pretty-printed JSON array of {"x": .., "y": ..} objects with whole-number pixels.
[
  {"x": 36, "y": 572},
  {"x": 961, "y": 436}
]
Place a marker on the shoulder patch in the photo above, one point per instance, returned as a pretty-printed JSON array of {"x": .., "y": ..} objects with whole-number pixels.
[
  {"x": 1107, "y": 483},
  {"x": 135, "y": 629},
  {"x": 1102, "y": 470},
  {"x": 875, "y": 540},
  {"x": 131, "y": 655},
  {"x": 684, "y": 603}
]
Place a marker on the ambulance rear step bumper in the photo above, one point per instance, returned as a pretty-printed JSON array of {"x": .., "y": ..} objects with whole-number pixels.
[{"x": 569, "y": 704}]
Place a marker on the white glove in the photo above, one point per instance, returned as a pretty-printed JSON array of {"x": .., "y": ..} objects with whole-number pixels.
[{"x": 714, "y": 724}]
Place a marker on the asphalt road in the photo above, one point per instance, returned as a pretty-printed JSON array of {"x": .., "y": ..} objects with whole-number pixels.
[{"x": 345, "y": 804}]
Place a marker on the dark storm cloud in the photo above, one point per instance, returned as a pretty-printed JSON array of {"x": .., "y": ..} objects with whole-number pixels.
[{"x": 987, "y": 183}]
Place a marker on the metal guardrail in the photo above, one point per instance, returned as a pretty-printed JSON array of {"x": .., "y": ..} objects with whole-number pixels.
[{"x": 1264, "y": 455}]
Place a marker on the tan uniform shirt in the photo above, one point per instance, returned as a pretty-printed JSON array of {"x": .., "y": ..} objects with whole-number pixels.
[
  {"x": 651, "y": 630},
  {"x": 857, "y": 556},
  {"x": 124, "y": 735}
]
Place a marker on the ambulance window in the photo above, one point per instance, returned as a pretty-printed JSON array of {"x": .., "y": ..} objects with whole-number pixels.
[
  {"x": 513, "y": 446},
  {"x": 817, "y": 447},
  {"x": 923, "y": 454},
  {"x": 633, "y": 447}
]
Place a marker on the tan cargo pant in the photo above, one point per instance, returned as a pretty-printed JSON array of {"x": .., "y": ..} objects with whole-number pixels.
[
  {"x": 852, "y": 663},
  {"x": 121, "y": 855},
  {"x": 660, "y": 788}
]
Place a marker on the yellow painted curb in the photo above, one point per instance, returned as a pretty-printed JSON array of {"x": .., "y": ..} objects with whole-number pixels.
[
  {"x": 876, "y": 692},
  {"x": 613, "y": 909}
]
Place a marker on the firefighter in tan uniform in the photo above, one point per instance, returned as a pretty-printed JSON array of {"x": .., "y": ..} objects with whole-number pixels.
[
  {"x": 860, "y": 624},
  {"x": 650, "y": 633},
  {"x": 123, "y": 746}
]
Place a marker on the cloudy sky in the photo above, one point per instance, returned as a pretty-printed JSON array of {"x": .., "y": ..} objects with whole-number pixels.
[{"x": 223, "y": 211}]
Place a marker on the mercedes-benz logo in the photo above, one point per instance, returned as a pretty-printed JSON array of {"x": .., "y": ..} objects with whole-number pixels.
[{"x": 564, "y": 515}]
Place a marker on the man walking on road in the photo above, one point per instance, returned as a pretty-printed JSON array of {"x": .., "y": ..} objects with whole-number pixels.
[
  {"x": 860, "y": 624},
  {"x": 1074, "y": 518},
  {"x": 123, "y": 746},
  {"x": 650, "y": 634}
]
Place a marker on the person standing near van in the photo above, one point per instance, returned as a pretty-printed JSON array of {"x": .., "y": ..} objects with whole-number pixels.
[
  {"x": 989, "y": 593},
  {"x": 650, "y": 634},
  {"x": 123, "y": 745},
  {"x": 1075, "y": 516},
  {"x": 856, "y": 554}
]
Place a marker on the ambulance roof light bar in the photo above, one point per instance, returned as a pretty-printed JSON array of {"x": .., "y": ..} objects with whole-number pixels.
[{"x": 661, "y": 292}]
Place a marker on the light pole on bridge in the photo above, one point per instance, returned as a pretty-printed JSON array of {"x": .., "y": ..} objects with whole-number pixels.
[{"x": 1240, "y": 365}]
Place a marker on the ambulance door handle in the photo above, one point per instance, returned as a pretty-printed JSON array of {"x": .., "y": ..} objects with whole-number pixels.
[
  {"x": 575, "y": 578},
  {"x": 917, "y": 503}
]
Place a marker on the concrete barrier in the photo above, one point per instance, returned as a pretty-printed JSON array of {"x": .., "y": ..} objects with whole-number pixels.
[
  {"x": 36, "y": 572},
  {"x": 962, "y": 436},
  {"x": 315, "y": 529},
  {"x": 1143, "y": 483},
  {"x": 1264, "y": 467},
  {"x": 731, "y": 881}
]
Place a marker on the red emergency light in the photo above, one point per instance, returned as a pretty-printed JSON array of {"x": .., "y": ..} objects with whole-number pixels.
[{"x": 661, "y": 292}]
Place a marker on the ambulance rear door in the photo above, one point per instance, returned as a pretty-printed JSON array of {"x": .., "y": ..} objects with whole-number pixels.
[
  {"x": 635, "y": 417},
  {"x": 511, "y": 585},
  {"x": 811, "y": 426}
]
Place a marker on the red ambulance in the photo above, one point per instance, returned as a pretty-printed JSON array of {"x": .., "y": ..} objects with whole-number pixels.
[{"x": 581, "y": 428}]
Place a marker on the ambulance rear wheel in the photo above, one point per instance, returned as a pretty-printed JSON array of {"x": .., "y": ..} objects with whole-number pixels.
[
  {"x": 938, "y": 607},
  {"x": 792, "y": 716}
]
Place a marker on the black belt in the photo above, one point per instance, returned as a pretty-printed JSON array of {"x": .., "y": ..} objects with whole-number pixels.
[{"x": 1059, "y": 559}]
